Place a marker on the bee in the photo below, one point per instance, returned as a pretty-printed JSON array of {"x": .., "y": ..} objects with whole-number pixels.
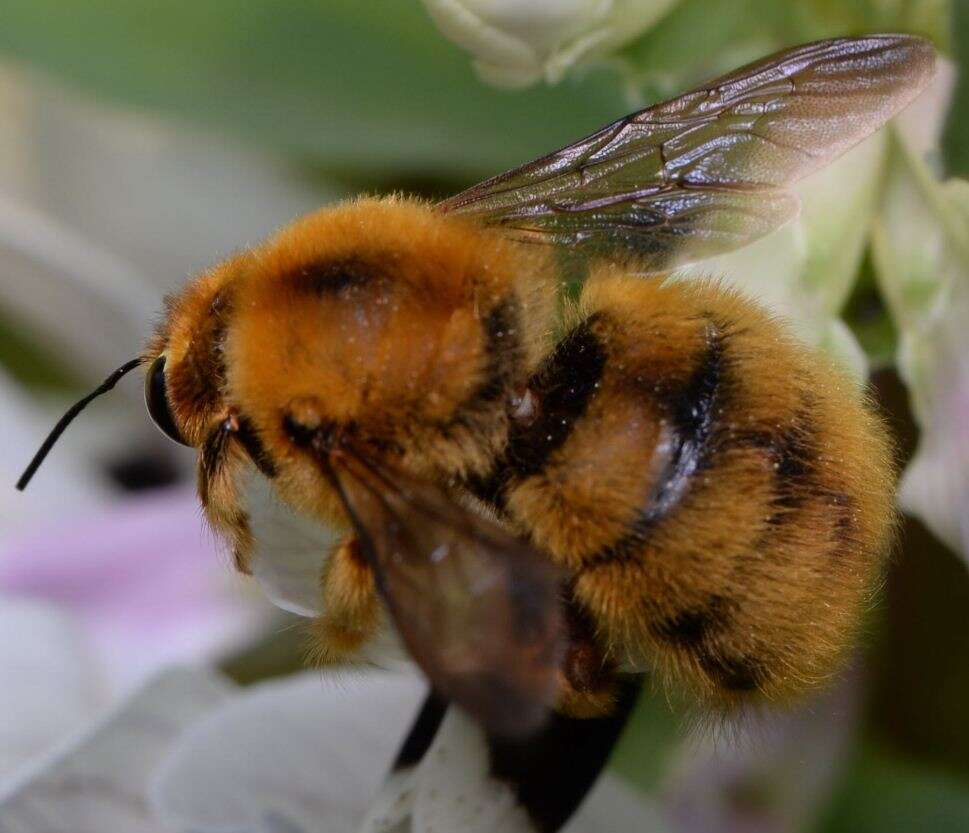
[{"x": 544, "y": 500}]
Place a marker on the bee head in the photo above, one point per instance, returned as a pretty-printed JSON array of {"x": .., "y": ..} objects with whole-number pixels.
[{"x": 185, "y": 367}]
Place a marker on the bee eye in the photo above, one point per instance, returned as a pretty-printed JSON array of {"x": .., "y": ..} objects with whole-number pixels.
[{"x": 156, "y": 400}]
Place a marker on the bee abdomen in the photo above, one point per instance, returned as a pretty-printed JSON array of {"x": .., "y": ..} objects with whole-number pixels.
[{"x": 723, "y": 496}]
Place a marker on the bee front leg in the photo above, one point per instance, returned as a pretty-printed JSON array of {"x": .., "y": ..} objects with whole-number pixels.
[{"x": 351, "y": 616}]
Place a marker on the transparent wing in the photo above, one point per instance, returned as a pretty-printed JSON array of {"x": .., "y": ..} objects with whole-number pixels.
[
  {"x": 708, "y": 171},
  {"x": 478, "y": 609}
]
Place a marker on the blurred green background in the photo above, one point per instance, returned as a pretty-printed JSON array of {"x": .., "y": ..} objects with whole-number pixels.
[{"x": 342, "y": 96}]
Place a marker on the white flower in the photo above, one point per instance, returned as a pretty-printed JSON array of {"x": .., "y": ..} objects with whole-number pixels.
[
  {"x": 95, "y": 781},
  {"x": 189, "y": 754},
  {"x": 301, "y": 755},
  {"x": 51, "y": 681},
  {"x": 921, "y": 249},
  {"x": 515, "y": 44}
]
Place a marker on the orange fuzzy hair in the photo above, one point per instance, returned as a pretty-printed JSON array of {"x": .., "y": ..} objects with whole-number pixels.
[
  {"x": 743, "y": 574},
  {"x": 410, "y": 327},
  {"x": 400, "y": 350}
]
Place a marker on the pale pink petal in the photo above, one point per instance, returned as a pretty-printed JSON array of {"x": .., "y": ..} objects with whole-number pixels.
[{"x": 144, "y": 578}]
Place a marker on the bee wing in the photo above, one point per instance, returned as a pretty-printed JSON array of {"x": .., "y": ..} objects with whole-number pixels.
[
  {"x": 707, "y": 172},
  {"x": 478, "y": 609}
]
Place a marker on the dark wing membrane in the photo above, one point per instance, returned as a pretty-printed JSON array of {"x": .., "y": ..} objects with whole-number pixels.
[
  {"x": 479, "y": 610},
  {"x": 707, "y": 172}
]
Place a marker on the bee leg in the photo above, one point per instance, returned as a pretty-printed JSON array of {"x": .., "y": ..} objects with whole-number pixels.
[
  {"x": 588, "y": 679},
  {"x": 351, "y": 616}
]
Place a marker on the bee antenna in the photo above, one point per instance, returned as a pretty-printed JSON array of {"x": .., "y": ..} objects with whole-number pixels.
[{"x": 66, "y": 420}]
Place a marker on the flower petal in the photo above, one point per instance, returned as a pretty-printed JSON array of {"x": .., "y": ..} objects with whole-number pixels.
[
  {"x": 139, "y": 201},
  {"x": 454, "y": 788},
  {"x": 289, "y": 549},
  {"x": 922, "y": 122},
  {"x": 921, "y": 248},
  {"x": 295, "y": 754},
  {"x": 51, "y": 681},
  {"x": 394, "y": 804},
  {"x": 619, "y": 22},
  {"x": 96, "y": 782},
  {"x": 500, "y": 56},
  {"x": 613, "y": 806},
  {"x": 143, "y": 578},
  {"x": 54, "y": 275},
  {"x": 516, "y": 44}
]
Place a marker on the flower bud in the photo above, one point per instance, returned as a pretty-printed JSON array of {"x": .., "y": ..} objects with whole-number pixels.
[{"x": 516, "y": 44}]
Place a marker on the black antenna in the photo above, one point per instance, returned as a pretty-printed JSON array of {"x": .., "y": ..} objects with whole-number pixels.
[{"x": 66, "y": 420}]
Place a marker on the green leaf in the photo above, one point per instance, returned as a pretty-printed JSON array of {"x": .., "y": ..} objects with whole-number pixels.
[
  {"x": 955, "y": 142},
  {"x": 329, "y": 81},
  {"x": 30, "y": 364},
  {"x": 887, "y": 795},
  {"x": 649, "y": 741}
]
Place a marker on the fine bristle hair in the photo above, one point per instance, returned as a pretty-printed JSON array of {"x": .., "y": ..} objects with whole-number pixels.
[{"x": 68, "y": 418}]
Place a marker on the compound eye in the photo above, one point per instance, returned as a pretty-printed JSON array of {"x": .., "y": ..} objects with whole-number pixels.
[{"x": 156, "y": 400}]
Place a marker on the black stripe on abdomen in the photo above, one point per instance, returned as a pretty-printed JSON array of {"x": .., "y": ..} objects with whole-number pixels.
[{"x": 563, "y": 388}]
